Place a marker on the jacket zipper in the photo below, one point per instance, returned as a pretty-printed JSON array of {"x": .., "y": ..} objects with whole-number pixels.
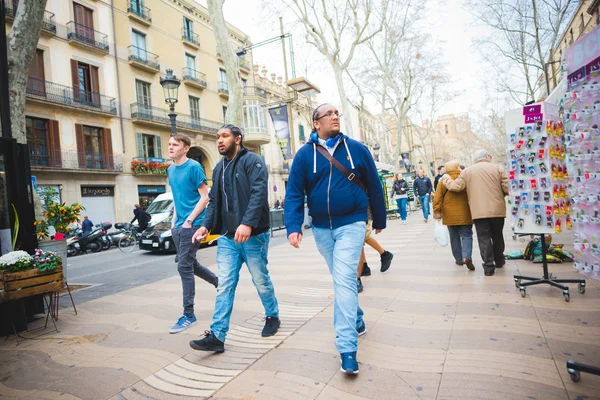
[{"x": 328, "y": 190}]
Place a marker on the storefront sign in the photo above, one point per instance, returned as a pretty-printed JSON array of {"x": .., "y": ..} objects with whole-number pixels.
[
  {"x": 532, "y": 109},
  {"x": 531, "y": 118},
  {"x": 279, "y": 116},
  {"x": 97, "y": 191},
  {"x": 575, "y": 78},
  {"x": 151, "y": 189}
]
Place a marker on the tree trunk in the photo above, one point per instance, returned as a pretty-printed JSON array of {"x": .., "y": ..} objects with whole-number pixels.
[
  {"x": 234, "y": 113},
  {"x": 21, "y": 43},
  {"x": 339, "y": 80}
]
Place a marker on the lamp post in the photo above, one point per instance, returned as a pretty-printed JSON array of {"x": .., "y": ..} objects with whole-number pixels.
[{"x": 170, "y": 85}]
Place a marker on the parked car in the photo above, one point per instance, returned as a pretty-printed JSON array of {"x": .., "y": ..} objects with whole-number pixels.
[{"x": 158, "y": 238}]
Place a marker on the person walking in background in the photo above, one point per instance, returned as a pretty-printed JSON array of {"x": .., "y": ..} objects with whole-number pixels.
[
  {"x": 386, "y": 256},
  {"x": 141, "y": 216},
  {"x": 400, "y": 194},
  {"x": 441, "y": 172},
  {"x": 190, "y": 197},
  {"x": 86, "y": 225},
  {"x": 239, "y": 210},
  {"x": 339, "y": 177},
  {"x": 422, "y": 188},
  {"x": 453, "y": 209},
  {"x": 487, "y": 185}
]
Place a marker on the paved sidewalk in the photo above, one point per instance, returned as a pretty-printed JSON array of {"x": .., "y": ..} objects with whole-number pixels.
[{"x": 434, "y": 331}]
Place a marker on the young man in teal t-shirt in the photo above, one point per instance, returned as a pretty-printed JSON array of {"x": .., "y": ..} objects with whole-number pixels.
[{"x": 190, "y": 196}]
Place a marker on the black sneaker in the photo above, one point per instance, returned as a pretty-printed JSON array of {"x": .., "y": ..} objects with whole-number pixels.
[
  {"x": 359, "y": 286},
  {"x": 209, "y": 343},
  {"x": 366, "y": 271},
  {"x": 271, "y": 326},
  {"x": 386, "y": 260}
]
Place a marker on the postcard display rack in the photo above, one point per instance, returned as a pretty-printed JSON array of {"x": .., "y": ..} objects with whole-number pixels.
[{"x": 537, "y": 181}]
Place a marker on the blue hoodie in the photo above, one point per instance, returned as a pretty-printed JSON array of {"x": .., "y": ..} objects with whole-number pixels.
[{"x": 333, "y": 200}]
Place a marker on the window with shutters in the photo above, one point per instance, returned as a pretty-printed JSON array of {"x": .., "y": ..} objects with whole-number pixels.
[
  {"x": 195, "y": 108},
  {"x": 94, "y": 147},
  {"x": 36, "y": 83},
  {"x": 188, "y": 29},
  {"x": 84, "y": 22},
  {"x": 190, "y": 65},
  {"x": 301, "y": 134},
  {"x": 86, "y": 85},
  {"x": 38, "y": 141},
  {"x": 139, "y": 46},
  {"x": 224, "y": 112},
  {"x": 144, "y": 99},
  {"x": 92, "y": 139},
  {"x": 149, "y": 146}
]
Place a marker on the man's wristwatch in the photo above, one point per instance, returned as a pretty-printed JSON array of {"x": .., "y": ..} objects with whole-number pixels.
[{"x": 189, "y": 221}]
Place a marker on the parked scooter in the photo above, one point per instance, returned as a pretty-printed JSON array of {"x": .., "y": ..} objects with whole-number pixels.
[
  {"x": 92, "y": 241},
  {"x": 106, "y": 241},
  {"x": 122, "y": 228}
]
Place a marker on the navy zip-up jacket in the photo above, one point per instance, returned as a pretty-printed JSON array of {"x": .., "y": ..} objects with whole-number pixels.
[{"x": 333, "y": 200}]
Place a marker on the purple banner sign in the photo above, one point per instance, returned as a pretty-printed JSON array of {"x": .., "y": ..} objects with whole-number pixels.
[
  {"x": 532, "y": 109},
  {"x": 593, "y": 67},
  {"x": 575, "y": 78},
  {"x": 531, "y": 118}
]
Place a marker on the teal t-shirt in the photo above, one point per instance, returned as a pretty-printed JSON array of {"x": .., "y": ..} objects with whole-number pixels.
[{"x": 185, "y": 180}]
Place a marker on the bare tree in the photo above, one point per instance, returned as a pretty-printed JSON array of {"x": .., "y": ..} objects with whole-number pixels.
[
  {"x": 336, "y": 28},
  {"x": 522, "y": 36},
  {"x": 234, "y": 114},
  {"x": 21, "y": 44}
]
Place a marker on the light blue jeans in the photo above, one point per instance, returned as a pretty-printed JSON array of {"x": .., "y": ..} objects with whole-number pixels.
[
  {"x": 461, "y": 241},
  {"x": 341, "y": 249},
  {"x": 425, "y": 205},
  {"x": 230, "y": 257},
  {"x": 402, "y": 207}
]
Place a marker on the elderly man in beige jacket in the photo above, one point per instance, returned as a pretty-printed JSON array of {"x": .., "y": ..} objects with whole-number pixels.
[{"x": 487, "y": 185}]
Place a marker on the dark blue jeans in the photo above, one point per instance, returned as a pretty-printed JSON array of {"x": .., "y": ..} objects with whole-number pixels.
[
  {"x": 402, "y": 207},
  {"x": 188, "y": 266},
  {"x": 461, "y": 241}
]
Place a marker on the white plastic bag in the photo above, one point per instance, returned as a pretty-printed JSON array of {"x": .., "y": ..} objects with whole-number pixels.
[{"x": 441, "y": 234}]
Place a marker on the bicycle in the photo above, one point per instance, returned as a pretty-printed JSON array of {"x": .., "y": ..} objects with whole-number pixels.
[{"x": 130, "y": 240}]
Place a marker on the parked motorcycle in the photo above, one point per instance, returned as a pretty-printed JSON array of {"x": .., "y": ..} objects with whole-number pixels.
[
  {"x": 106, "y": 240},
  {"x": 92, "y": 241}
]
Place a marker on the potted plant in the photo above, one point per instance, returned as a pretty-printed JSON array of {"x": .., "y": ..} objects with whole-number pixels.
[
  {"x": 59, "y": 216},
  {"x": 23, "y": 275}
]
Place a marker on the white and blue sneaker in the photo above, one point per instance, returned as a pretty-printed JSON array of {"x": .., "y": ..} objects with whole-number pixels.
[
  {"x": 182, "y": 324},
  {"x": 349, "y": 363},
  {"x": 362, "y": 329}
]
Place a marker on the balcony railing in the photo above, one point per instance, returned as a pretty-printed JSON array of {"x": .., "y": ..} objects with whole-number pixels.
[
  {"x": 184, "y": 121},
  {"x": 191, "y": 74},
  {"x": 139, "y": 10},
  {"x": 10, "y": 8},
  {"x": 48, "y": 23},
  {"x": 190, "y": 37},
  {"x": 39, "y": 89},
  {"x": 142, "y": 56},
  {"x": 76, "y": 160},
  {"x": 223, "y": 87},
  {"x": 255, "y": 91},
  {"x": 86, "y": 35}
]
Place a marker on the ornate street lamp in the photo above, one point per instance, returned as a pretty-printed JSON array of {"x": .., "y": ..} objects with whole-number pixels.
[{"x": 170, "y": 86}]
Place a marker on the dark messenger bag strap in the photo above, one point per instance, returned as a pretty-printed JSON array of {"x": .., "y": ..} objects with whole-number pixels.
[{"x": 350, "y": 175}]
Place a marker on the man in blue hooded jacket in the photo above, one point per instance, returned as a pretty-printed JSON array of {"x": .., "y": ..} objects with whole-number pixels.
[{"x": 338, "y": 206}]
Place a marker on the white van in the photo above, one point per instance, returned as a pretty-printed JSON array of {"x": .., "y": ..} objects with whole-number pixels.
[{"x": 161, "y": 208}]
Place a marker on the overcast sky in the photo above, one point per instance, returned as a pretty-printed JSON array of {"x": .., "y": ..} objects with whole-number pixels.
[{"x": 449, "y": 20}]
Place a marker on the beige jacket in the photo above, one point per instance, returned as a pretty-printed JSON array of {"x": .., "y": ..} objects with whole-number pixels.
[{"x": 486, "y": 184}]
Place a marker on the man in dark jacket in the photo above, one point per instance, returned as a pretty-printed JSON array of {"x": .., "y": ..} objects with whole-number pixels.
[
  {"x": 441, "y": 172},
  {"x": 422, "y": 188},
  {"x": 338, "y": 207},
  {"x": 141, "y": 216},
  {"x": 239, "y": 211}
]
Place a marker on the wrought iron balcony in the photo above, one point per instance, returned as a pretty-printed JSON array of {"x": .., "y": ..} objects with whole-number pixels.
[
  {"x": 141, "y": 113},
  {"x": 255, "y": 91},
  {"x": 48, "y": 24},
  {"x": 194, "y": 78},
  {"x": 76, "y": 160},
  {"x": 223, "y": 88},
  {"x": 86, "y": 36},
  {"x": 139, "y": 12},
  {"x": 44, "y": 91},
  {"x": 143, "y": 59},
  {"x": 190, "y": 37}
]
